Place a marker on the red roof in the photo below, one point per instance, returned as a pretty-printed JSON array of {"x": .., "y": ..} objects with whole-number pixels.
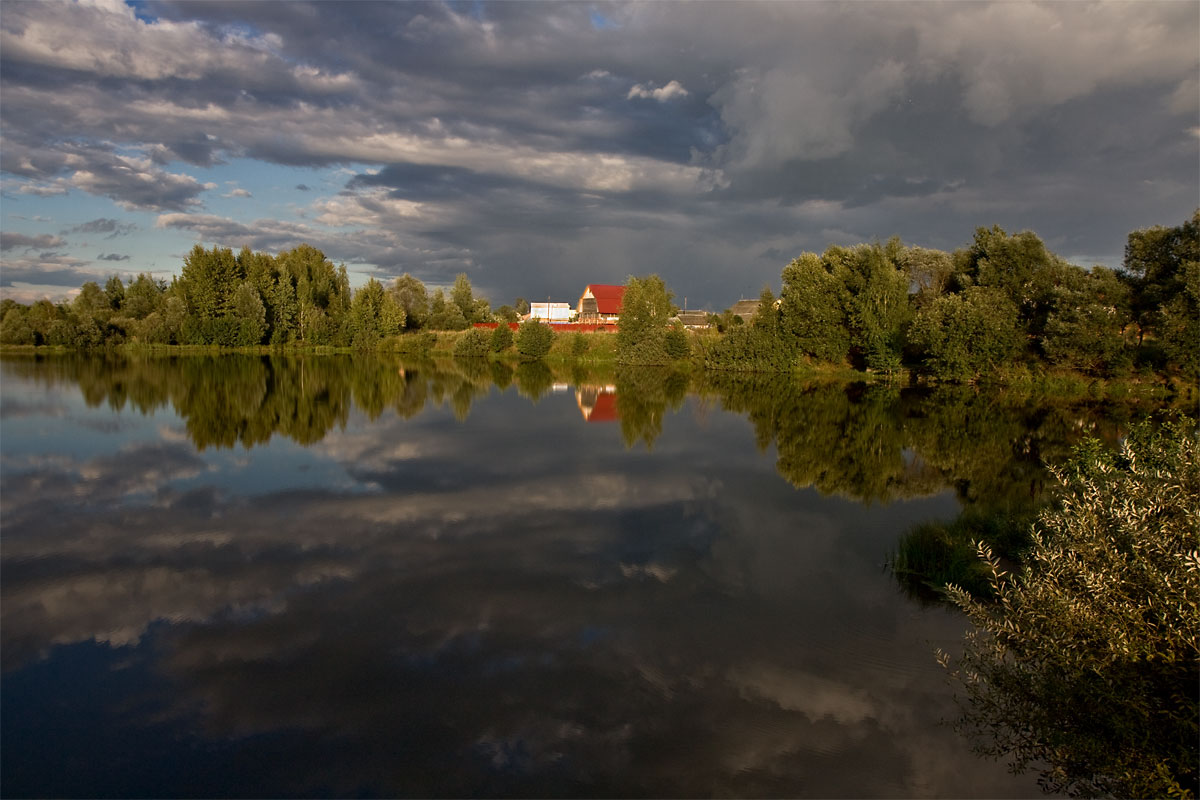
[{"x": 608, "y": 298}]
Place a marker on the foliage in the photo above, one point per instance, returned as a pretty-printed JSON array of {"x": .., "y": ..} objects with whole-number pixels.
[
  {"x": 934, "y": 554},
  {"x": 813, "y": 304},
  {"x": 962, "y": 336},
  {"x": 502, "y": 338},
  {"x": 507, "y": 314},
  {"x": 534, "y": 339},
  {"x": 1156, "y": 266},
  {"x": 1178, "y": 322},
  {"x": 250, "y": 314},
  {"x": 410, "y": 295},
  {"x": 462, "y": 296},
  {"x": 1088, "y": 659},
  {"x": 645, "y": 310},
  {"x": 373, "y": 315},
  {"x": 677, "y": 344},
  {"x": 579, "y": 344},
  {"x": 445, "y": 315},
  {"x": 475, "y": 343}
]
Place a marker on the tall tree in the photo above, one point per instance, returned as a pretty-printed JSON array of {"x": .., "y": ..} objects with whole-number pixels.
[
  {"x": 412, "y": 298},
  {"x": 645, "y": 310}
]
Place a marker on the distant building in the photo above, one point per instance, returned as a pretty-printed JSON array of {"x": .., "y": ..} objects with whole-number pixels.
[
  {"x": 600, "y": 303},
  {"x": 551, "y": 312},
  {"x": 746, "y": 309},
  {"x": 694, "y": 319}
]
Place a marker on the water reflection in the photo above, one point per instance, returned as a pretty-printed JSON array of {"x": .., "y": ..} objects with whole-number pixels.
[
  {"x": 407, "y": 581},
  {"x": 597, "y": 403}
]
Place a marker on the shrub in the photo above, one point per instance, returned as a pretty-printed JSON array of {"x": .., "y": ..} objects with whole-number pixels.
[
  {"x": 677, "y": 344},
  {"x": 502, "y": 338},
  {"x": 475, "y": 343},
  {"x": 1087, "y": 661},
  {"x": 534, "y": 339},
  {"x": 579, "y": 344},
  {"x": 964, "y": 335}
]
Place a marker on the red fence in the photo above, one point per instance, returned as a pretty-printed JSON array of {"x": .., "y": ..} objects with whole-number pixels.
[{"x": 581, "y": 327}]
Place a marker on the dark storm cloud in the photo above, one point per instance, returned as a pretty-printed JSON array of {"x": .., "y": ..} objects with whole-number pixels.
[{"x": 723, "y": 128}]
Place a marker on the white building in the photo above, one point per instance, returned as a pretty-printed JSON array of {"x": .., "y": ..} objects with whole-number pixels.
[{"x": 551, "y": 312}]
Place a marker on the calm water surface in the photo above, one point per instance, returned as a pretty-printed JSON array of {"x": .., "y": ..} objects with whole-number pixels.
[{"x": 334, "y": 576}]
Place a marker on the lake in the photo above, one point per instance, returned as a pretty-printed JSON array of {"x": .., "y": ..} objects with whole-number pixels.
[{"x": 356, "y": 576}]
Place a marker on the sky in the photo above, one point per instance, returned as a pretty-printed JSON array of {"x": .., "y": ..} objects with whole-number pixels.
[{"x": 541, "y": 146}]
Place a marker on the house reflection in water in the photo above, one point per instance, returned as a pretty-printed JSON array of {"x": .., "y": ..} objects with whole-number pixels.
[{"x": 598, "y": 403}]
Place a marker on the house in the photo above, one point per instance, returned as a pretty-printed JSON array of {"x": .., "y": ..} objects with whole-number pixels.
[
  {"x": 693, "y": 319},
  {"x": 600, "y": 303},
  {"x": 746, "y": 309}
]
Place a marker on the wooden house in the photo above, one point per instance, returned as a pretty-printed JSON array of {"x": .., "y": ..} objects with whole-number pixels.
[{"x": 600, "y": 303}]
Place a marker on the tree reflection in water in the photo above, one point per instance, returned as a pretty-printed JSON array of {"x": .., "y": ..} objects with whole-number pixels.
[{"x": 863, "y": 442}]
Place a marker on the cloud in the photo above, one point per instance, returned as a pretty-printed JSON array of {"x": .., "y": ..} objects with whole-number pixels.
[
  {"x": 10, "y": 241},
  {"x": 111, "y": 257},
  {"x": 914, "y": 119},
  {"x": 43, "y": 189},
  {"x": 664, "y": 94},
  {"x": 238, "y": 193},
  {"x": 112, "y": 227}
]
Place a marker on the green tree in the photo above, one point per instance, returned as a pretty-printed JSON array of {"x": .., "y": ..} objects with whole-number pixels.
[
  {"x": 645, "y": 311},
  {"x": 445, "y": 316},
  {"x": 1179, "y": 322},
  {"x": 143, "y": 297},
  {"x": 930, "y": 272},
  {"x": 373, "y": 315},
  {"x": 1086, "y": 329},
  {"x": 962, "y": 336},
  {"x": 250, "y": 314},
  {"x": 411, "y": 297},
  {"x": 476, "y": 343},
  {"x": 507, "y": 314},
  {"x": 502, "y": 338},
  {"x": 285, "y": 310},
  {"x": 814, "y": 301},
  {"x": 15, "y": 327},
  {"x": 534, "y": 339},
  {"x": 114, "y": 290},
  {"x": 1087, "y": 661},
  {"x": 208, "y": 282},
  {"x": 878, "y": 308},
  {"x": 1156, "y": 262}
]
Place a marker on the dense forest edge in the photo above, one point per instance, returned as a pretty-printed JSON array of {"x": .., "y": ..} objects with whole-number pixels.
[{"x": 1003, "y": 309}]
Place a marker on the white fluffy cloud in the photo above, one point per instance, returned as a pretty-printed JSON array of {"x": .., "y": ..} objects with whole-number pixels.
[{"x": 663, "y": 94}]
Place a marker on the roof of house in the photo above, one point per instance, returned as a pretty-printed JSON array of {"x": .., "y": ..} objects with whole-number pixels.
[
  {"x": 745, "y": 308},
  {"x": 608, "y": 297}
]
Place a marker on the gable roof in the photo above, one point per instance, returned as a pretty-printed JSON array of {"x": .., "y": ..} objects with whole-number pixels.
[{"x": 608, "y": 297}]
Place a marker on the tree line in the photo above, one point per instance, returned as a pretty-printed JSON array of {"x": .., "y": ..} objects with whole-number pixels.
[
  {"x": 245, "y": 299},
  {"x": 1003, "y": 301}
]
